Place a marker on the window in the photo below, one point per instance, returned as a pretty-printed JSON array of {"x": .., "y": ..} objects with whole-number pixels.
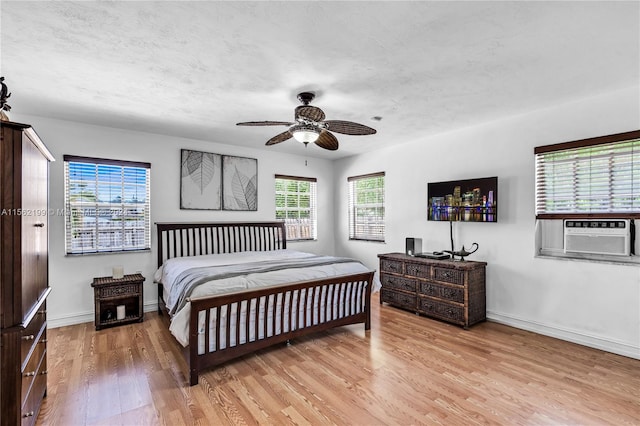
[
  {"x": 296, "y": 205},
  {"x": 366, "y": 207},
  {"x": 107, "y": 205},
  {"x": 591, "y": 177}
]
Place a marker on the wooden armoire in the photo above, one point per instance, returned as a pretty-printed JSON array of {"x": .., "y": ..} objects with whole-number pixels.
[{"x": 24, "y": 285}]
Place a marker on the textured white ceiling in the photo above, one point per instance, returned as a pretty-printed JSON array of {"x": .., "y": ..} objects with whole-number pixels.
[{"x": 194, "y": 69}]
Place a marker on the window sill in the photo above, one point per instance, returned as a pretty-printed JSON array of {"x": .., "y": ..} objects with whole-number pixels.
[
  {"x": 612, "y": 260},
  {"x": 99, "y": 253}
]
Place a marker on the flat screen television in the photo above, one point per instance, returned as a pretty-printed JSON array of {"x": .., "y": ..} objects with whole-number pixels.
[{"x": 469, "y": 200}]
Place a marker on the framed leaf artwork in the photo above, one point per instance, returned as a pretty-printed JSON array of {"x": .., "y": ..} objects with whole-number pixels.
[
  {"x": 200, "y": 180},
  {"x": 239, "y": 183}
]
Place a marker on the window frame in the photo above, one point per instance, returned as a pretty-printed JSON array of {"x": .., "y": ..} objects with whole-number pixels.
[
  {"x": 121, "y": 209},
  {"x": 379, "y": 221},
  {"x": 573, "y": 146},
  {"x": 293, "y": 227}
]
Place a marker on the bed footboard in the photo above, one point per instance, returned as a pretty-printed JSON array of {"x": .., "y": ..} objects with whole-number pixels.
[{"x": 229, "y": 326}]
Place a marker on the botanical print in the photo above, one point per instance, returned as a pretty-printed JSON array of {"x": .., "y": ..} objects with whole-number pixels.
[
  {"x": 200, "y": 180},
  {"x": 239, "y": 183}
]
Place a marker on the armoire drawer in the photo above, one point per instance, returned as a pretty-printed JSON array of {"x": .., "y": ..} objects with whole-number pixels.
[
  {"x": 31, "y": 335},
  {"x": 37, "y": 387},
  {"x": 31, "y": 370}
]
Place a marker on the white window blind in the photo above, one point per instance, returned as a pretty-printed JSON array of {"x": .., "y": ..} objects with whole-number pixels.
[
  {"x": 598, "y": 176},
  {"x": 107, "y": 205},
  {"x": 296, "y": 204},
  {"x": 366, "y": 207}
]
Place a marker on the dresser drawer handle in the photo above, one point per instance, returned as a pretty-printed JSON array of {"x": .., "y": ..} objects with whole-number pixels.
[
  {"x": 447, "y": 274},
  {"x": 43, "y": 341},
  {"x": 42, "y": 312},
  {"x": 45, "y": 372},
  {"x": 29, "y": 414},
  {"x": 29, "y": 374},
  {"x": 28, "y": 337}
]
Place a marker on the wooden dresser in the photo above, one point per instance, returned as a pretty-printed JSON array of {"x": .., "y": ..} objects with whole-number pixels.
[
  {"x": 24, "y": 287},
  {"x": 452, "y": 291}
]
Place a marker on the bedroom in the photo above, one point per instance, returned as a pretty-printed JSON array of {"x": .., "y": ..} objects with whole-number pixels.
[{"x": 594, "y": 304}]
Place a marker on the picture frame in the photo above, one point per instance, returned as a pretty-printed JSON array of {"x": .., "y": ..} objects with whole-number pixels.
[
  {"x": 200, "y": 180},
  {"x": 239, "y": 183}
]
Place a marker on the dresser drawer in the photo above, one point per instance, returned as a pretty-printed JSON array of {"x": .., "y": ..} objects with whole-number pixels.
[
  {"x": 387, "y": 265},
  {"x": 447, "y": 275},
  {"x": 397, "y": 298},
  {"x": 31, "y": 334},
  {"x": 454, "y": 294},
  {"x": 417, "y": 270},
  {"x": 442, "y": 310},
  {"x": 399, "y": 283},
  {"x": 31, "y": 370}
]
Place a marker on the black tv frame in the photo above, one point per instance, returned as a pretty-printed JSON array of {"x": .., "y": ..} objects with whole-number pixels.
[{"x": 475, "y": 201}]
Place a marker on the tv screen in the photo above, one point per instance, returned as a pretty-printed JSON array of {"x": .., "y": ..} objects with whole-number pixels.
[{"x": 470, "y": 200}]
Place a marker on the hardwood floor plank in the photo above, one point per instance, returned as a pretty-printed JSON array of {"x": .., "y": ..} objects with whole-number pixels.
[{"x": 406, "y": 370}]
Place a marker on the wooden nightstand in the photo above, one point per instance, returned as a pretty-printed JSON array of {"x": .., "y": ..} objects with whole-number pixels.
[{"x": 109, "y": 293}]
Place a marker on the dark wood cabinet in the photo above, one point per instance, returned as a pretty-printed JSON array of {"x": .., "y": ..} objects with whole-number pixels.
[
  {"x": 24, "y": 285},
  {"x": 111, "y": 293},
  {"x": 452, "y": 291}
]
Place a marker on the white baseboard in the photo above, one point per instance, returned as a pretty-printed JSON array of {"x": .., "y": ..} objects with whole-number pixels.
[
  {"x": 608, "y": 345},
  {"x": 82, "y": 317}
]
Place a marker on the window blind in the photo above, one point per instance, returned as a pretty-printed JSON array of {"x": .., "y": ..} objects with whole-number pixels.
[
  {"x": 296, "y": 205},
  {"x": 598, "y": 176},
  {"x": 366, "y": 207},
  {"x": 107, "y": 205}
]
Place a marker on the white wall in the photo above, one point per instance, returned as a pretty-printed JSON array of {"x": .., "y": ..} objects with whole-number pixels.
[
  {"x": 590, "y": 303},
  {"x": 70, "y": 277}
]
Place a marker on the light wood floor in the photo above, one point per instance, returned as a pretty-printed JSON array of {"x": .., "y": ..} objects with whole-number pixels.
[{"x": 407, "y": 370}]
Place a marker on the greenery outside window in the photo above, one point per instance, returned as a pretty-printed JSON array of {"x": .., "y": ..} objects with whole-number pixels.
[
  {"x": 366, "y": 207},
  {"x": 296, "y": 205},
  {"x": 107, "y": 205}
]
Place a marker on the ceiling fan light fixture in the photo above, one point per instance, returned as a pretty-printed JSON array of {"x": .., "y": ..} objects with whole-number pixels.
[{"x": 305, "y": 133}]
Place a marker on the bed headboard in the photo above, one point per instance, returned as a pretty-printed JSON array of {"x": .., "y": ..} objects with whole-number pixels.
[{"x": 179, "y": 239}]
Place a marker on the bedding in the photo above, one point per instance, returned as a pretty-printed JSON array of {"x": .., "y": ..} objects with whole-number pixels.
[{"x": 185, "y": 278}]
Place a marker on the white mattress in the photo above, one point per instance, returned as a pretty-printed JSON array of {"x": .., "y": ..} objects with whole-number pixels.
[{"x": 172, "y": 268}]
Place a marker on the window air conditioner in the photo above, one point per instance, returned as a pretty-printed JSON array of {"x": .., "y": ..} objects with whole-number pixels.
[{"x": 598, "y": 236}]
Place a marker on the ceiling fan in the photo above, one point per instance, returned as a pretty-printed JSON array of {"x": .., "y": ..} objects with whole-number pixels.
[{"x": 310, "y": 126}]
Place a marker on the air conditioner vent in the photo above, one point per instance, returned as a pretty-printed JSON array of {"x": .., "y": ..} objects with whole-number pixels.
[{"x": 598, "y": 236}]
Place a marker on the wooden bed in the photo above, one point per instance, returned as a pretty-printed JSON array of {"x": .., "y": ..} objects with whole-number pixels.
[{"x": 351, "y": 293}]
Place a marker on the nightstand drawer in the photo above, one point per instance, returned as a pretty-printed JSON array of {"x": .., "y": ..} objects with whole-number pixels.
[{"x": 119, "y": 290}]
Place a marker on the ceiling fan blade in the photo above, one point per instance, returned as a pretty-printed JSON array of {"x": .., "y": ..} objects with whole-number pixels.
[
  {"x": 327, "y": 141},
  {"x": 264, "y": 123},
  {"x": 279, "y": 138},
  {"x": 310, "y": 113},
  {"x": 349, "y": 127}
]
